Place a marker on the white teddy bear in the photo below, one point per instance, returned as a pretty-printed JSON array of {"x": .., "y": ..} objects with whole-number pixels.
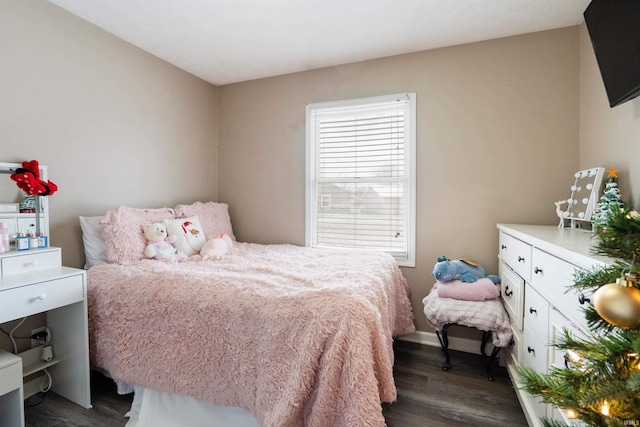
[{"x": 158, "y": 247}]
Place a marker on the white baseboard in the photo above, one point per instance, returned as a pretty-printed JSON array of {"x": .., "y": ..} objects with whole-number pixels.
[{"x": 455, "y": 343}]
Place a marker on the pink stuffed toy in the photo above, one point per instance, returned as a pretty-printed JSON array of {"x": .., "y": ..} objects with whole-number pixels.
[{"x": 217, "y": 247}]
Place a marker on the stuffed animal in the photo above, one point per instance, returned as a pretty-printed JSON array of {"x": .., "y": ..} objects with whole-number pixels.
[
  {"x": 186, "y": 234},
  {"x": 158, "y": 247},
  {"x": 28, "y": 180},
  {"x": 217, "y": 247},
  {"x": 464, "y": 270}
]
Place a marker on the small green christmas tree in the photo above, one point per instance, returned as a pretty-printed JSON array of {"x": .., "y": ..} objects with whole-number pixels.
[
  {"x": 601, "y": 384},
  {"x": 610, "y": 199}
]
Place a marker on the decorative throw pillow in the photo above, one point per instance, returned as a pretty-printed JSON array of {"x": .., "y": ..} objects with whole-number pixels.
[
  {"x": 213, "y": 216},
  {"x": 122, "y": 232},
  {"x": 186, "y": 234}
]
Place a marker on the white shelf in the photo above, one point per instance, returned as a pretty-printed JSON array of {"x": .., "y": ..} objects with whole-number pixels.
[{"x": 31, "y": 362}]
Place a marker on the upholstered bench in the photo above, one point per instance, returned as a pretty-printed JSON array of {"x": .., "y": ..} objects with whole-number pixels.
[{"x": 488, "y": 316}]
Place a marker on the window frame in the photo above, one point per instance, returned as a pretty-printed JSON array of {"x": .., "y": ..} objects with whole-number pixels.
[{"x": 407, "y": 258}]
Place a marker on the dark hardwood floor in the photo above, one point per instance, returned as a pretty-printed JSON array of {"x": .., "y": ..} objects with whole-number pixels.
[
  {"x": 427, "y": 396},
  {"x": 461, "y": 396}
]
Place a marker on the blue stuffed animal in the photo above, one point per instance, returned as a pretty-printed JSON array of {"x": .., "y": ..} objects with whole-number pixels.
[{"x": 464, "y": 270}]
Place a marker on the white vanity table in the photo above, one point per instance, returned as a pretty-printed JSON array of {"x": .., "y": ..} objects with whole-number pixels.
[
  {"x": 537, "y": 264},
  {"x": 34, "y": 281}
]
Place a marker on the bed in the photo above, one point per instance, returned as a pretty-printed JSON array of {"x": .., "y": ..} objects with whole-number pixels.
[{"x": 290, "y": 335}]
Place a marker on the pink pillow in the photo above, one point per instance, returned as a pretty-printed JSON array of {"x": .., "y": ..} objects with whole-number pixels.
[
  {"x": 214, "y": 217},
  {"x": 122, "y": 232}
]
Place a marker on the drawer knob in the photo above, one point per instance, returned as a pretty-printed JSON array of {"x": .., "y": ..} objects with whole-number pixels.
[
  {"x": 582, "y": 299},
  {"x": 503, "y": 246},
  {"x": 531, "y": 350},
  {"x": 533, "y": 310},
  {"x": 520, "y": 259},
  {"x": 507, "y": 292},
  {"x": 41, "y": 297},
  {"x": 537, "y": 270}
]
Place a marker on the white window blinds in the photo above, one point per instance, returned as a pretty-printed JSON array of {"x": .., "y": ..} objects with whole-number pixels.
[{"x": 360, "y": 175}]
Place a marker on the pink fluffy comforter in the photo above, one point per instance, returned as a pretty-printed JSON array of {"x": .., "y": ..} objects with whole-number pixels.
[{"x": 293, "y": 335}]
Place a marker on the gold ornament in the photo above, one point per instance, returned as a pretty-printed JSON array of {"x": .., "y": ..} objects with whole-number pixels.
[{"x": 619, "y": 303}]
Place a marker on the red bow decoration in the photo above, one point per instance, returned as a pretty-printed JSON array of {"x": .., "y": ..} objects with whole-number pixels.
[{"x": 28, "y": 179}]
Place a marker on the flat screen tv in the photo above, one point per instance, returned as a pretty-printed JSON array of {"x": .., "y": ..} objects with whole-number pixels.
[{"x": 614, "y": 29}]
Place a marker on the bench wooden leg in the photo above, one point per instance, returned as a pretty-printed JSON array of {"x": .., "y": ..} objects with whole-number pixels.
[
  {"x": 494, "y": 354},
  {"x": 444, "y": 343}
]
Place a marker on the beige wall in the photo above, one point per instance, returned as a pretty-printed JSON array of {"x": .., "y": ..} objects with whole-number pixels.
[
  {"x": 609, "y": 137},
  {"x": 498, "y": 141},
  {"x": 114, "y": 124},
  {"x": 501, "y": 128}
]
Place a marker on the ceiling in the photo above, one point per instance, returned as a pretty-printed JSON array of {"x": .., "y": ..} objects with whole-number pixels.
[{"x": 228, "y": 41}]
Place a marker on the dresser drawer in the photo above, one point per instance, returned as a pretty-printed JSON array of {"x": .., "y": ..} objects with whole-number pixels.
[
  {"x": 517, "y": 254},
  {"x": 20, "y": 263},
  {"x": 534, "y": 349},
  {"x": 552, "y": 277},
  {"x": 557, "y": 324},
  {"x": 535, "y": 338},
  {"x": 513, "y": 352},
  {"x": 536, "y": 313},
  {"x": 39, "y": 297},
  {"x": 512, "y": 294}
]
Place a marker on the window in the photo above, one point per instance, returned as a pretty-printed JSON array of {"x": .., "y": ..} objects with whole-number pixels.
[{"x": 360, "y": 175}]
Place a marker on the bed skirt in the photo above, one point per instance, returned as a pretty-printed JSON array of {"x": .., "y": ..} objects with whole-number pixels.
[{"x": 151, "y": 408}]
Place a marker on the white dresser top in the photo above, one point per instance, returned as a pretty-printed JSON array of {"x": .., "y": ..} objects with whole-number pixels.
[{"x": 571, "y": 244}]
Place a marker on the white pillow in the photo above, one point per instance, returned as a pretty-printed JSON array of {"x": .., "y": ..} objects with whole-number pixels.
[
  {"x": 95, "y": 251},
  {"x": 213, "y": 216},
  {"x": 186, "y": 234}
]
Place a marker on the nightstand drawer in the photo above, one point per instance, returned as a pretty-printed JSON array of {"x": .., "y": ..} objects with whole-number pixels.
[
  {"x": 20, "y": 263},
  {"x": 10, "y": 372},
  {"x": 39, "y": 297}
]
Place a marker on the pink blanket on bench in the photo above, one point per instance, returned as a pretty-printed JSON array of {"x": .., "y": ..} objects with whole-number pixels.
[
  {"x": 480, "y": 290},
  {"x": 293, "y": 335}
]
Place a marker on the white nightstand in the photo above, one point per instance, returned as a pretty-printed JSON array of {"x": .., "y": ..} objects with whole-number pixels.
[{"x": 34, "y": 282}]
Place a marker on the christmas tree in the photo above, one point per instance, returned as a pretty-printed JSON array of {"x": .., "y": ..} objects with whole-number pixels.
[
  {"x": 610, "y": 199},
  {"x": 601, "y": 383}
]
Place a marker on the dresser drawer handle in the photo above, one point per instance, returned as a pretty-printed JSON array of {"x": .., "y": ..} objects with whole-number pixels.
[
  {"x": 537, "y": 270},
  {"x": 503, "y": 246},
  {"x": 507, "y": 292},
  {"x": 533, "y": 310},
  {"x": 40, "y": 297},
  {"x": 520, "y": 259},
  {"x": 29, "y": 264},
  {"x": 582, "y": 299},
  {"x": 531, "y": 350}
]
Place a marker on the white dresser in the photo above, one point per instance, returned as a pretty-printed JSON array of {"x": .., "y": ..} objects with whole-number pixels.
[
  {"x": 33, "y": 282},
  {"x": 537, "y": 264}
]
